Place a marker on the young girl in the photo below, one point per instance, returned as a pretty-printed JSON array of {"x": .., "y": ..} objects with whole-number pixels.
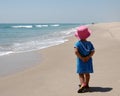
[{"x": 84, "y": 51}]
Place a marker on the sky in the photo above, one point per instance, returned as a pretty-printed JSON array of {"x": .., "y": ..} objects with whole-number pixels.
[{"x": 59, "y": 11}]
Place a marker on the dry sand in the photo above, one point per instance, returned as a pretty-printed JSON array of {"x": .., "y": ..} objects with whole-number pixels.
[{"x": 56, "y": 75}]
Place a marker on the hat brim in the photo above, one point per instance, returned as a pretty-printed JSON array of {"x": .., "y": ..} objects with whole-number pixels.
[{"x": 85, "y": 35}]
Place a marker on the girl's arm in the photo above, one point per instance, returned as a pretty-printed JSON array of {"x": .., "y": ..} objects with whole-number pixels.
[
  {"x": 90, "y": 55},
  {"x": 84, "y": 59},
  {"x": 78, "y": 55}
]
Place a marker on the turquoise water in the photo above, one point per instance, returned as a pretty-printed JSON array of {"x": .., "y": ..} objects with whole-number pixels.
[{"x": 16, "y": 38}]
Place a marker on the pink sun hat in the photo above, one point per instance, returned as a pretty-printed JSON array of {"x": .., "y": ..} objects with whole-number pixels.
[{"x": 82, "y": 32}]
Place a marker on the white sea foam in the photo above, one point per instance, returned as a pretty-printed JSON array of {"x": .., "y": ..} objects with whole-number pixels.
[
  {"x": 55, "y": 25},
  {"x": 36, "y": 45},
  {"x": 22, "y": 26},
  {"x": 32, "y": 46},
  {"x": 41, "y": 26},
  {"x": 5, "y": 53},
  {"x": 69, "y": 31}
]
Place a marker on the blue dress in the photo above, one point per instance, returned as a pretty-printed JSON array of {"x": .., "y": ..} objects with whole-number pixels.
[{"x": 84, "y": 48}]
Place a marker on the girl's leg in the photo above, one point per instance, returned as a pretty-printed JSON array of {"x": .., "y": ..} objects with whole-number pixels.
[
  {"x": 81, "y": 77},
  {"x": 82, "y": 81},
  {"x": 87, "y": 78}
]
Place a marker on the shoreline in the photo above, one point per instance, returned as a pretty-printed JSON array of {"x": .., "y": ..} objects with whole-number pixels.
[
  {"x": 19, "y": 63},
  {"x": 56, "y": 74}
]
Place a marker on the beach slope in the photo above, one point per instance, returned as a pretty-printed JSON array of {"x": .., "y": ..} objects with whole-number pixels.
[{"x": 56, "y": 74}]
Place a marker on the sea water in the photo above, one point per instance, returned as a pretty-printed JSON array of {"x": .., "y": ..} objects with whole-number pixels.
[
  {"x": 22, "y": 38},
  {"x": 17, "y": 38}
]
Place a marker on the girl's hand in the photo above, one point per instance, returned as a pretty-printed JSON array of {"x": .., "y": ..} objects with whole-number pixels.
[
  {"x": 85, "y": 59},
  {"x": 88, "y": 57}
]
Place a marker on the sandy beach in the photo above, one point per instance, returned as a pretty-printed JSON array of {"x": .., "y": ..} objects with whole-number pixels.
[{"x": 56, "y": 74}]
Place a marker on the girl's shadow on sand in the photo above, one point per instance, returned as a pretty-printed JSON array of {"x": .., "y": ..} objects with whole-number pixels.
[{"x": 100, "y": 89}]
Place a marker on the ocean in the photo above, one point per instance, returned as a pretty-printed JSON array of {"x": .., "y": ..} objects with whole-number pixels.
[{"x": 17, "y": 38}]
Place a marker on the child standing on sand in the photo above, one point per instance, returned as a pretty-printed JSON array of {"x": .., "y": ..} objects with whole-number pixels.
[{"x": 84, "y": 51}]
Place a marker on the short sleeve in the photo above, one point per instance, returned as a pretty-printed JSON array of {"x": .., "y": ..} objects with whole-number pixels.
[
  {"x": 92, "y": 47},
  {"x": 76, "y": 45}
]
